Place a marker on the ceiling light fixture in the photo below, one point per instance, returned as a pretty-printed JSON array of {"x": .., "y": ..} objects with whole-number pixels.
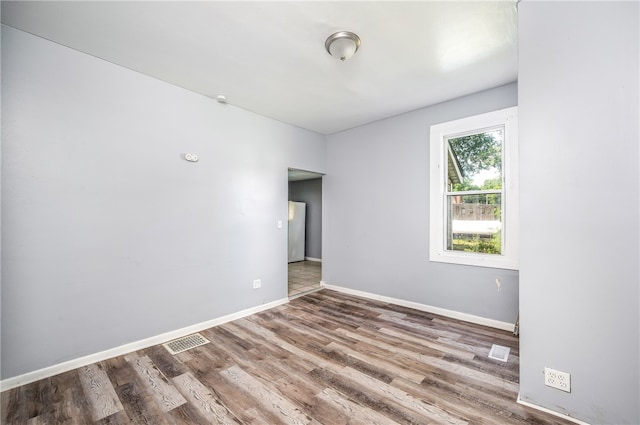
[{"x": 342, "y": 44}]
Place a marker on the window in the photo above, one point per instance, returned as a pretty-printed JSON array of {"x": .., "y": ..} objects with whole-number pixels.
[{"x": 474, "y": 190}]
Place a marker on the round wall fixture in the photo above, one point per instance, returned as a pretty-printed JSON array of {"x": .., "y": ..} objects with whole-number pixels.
[
  {"x": 342, "y": 44},
  {"x": 221, "y": 98}
]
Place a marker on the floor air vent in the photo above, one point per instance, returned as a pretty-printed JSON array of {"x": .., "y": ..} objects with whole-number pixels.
[
  {"x": 498, "y": 352},
  {"x": 185, "y": 343}
]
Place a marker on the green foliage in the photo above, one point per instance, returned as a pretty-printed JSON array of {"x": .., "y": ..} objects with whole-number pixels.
[
  {"x": 467, "y": 184},
  {"x": 490, "y": 184},
  {"x": 479, "y": 155},
  {"x": 477, "y": 152},
  {"x": 491, "y": 245}
]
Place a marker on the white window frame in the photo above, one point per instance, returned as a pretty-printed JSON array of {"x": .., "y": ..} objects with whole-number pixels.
[{"x": 440, "y": 133}]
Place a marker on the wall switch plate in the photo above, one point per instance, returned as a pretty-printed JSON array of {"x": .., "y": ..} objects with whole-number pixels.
[
  {"x": 257, "y": 283},
  {"x": 556, "y": 379}
]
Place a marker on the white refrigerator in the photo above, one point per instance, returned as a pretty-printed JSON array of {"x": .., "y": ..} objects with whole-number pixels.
[{"x": 297, "y": 213}]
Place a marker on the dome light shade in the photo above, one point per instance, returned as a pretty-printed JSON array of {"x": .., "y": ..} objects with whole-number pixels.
[{"x": 342, "y": 44}]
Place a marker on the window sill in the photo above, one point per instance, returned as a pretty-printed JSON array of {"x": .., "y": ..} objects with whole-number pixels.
[{"x": 475, "y": 259}]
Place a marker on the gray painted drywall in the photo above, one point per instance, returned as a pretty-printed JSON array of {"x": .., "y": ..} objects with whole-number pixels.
[
  {"x": 310, "y": 192},
  {"x": 579, "y": 277},
  {"x": 109, "y": 235},
  {"x": 376, "y": 215}
]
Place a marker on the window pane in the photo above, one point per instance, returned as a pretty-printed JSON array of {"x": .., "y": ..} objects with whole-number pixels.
[
  {"x": 475, "y": 161},
  {"x": 474, "y": 223}
]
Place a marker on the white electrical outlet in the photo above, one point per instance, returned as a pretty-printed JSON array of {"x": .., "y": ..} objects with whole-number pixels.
[
  {"x": 257, "y": 283},
  {"x": 556, "y": 379}
]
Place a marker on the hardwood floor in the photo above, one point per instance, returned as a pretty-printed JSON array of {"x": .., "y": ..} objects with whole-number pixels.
[{"x": 324, "y": 358}]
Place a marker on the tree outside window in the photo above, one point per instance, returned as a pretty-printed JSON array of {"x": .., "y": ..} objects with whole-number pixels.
[{"x": 475, "y": 192}]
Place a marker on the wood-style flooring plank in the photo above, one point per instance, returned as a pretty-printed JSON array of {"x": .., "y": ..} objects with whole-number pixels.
[
  {"x": 99, "y": 391},
  {"x": 369, "y": 399},
  {"x": 270, "y": 400},
  {"x": 342, "y": 410},
  {"x": 199, "y": 396},
  {"x": 325, "y": 358},
  {"x": 70, "y": 405},
  {"x": 402, "y": 398},
  {"x": 165, "y": 362},
  {"x": 238, "y": 401},
  {"x": 165, "y": 394},
  {"x": 14, "y": 406},
  {"x": 436, "y": 362},
  {"x": 118, "y": 418}
]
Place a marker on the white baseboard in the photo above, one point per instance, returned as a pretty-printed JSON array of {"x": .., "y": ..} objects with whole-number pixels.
[
  {"x": 27, "y": 378},
  {"x": 428, "y": 308},
  {"x": 551, "y": 412},
  {"x": 318, "y": 260}
]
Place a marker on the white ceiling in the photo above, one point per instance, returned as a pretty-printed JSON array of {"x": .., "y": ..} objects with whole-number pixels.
[{"x": 269, "y": 57}]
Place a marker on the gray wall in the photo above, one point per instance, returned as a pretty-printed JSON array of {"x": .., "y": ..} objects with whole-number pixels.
[
  {"x": 310, "y": 192},
  {"x": 579, "y": 277},
  {"x": 109, "y": 235},
  {"x": 376, "y": 214}
]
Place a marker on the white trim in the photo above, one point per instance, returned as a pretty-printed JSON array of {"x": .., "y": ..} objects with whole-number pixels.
[
  {"x": 27, "y": 378},
  {"x": 551, "y": 412},
  {"x": 508, "y": 118},
  {"x": 428, "y": 308},
  {"x": 317, "y": 260}
]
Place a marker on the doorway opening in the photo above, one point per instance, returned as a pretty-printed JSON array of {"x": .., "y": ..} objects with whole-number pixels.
[{"x": 304, "y": 232}]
